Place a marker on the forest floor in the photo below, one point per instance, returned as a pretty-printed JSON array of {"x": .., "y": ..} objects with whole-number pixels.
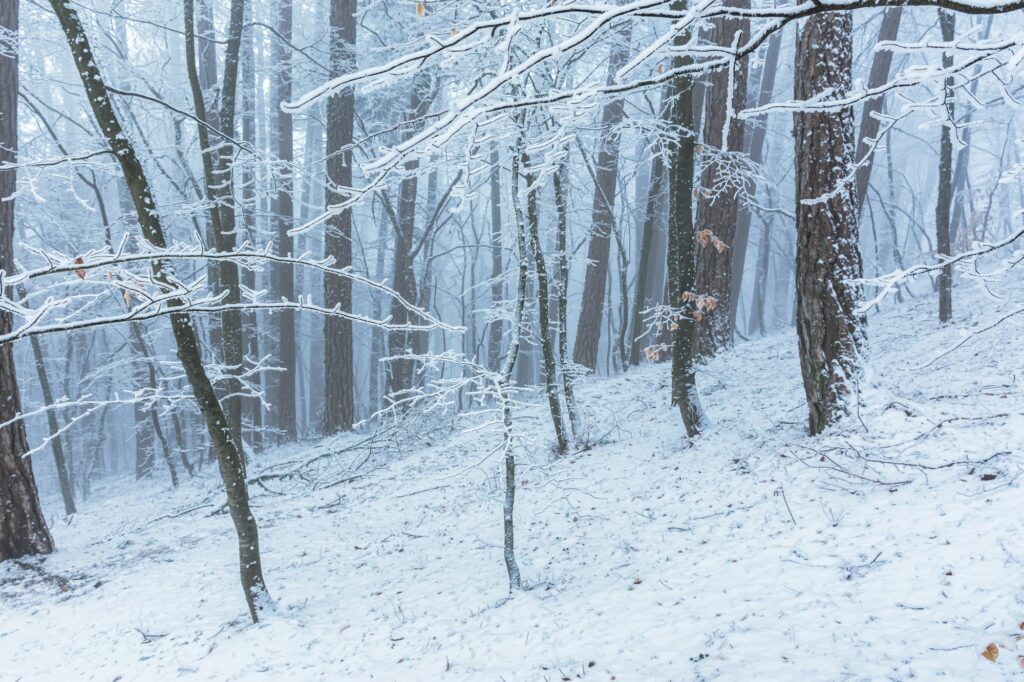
[{"x": 886, "y": 549}]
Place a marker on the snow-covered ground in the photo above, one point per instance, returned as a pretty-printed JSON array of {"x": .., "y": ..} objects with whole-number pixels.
[{"x": 887, "y": 549}]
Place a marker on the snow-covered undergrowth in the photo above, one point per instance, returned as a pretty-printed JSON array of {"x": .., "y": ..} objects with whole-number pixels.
[{"x": 887, "y": 549}]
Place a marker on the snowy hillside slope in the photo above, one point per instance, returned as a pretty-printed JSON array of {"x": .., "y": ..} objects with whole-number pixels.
[{"x": 887, "y": 549}]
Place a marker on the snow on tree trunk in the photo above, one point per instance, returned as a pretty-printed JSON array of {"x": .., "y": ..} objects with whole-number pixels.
[{"x": 828, "y": 254}]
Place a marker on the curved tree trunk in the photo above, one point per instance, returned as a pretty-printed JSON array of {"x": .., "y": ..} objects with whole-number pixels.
[
  {"x": 229, "y": 458},
  {"x": 828, "y": 252}
]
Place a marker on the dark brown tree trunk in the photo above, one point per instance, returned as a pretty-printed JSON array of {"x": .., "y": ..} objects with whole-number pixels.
[
  {"x": 588, "y": 331},
  {"x": 284, "y": 400},
  {"x": 339, "y": 399},
  {"x": 718, "y": 200},
  {"x": 232, "y": 467},
  {"x": 22, "y": 524},
  {"x": 682, "y": 263},
  {"x": 828, "y": 253},
  {"x": 869, "y": 124},
  {"x": 947, "y": 22},
  {"x": 756, "y": 150}
]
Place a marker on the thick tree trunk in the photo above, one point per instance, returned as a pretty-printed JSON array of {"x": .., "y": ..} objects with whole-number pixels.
[
  {"x": 718, "y": 200},
  {"x": 232, "y": 467},
  {"x": 682, "y": 264},
  {"x": 828, "y": 253},
  {"x": 869, "y": 124},
  {"x": 22, "y": 524},
  {"x": 588, "y": 331},
  {"x": 339, "y": 398},
  {"x": 942, "y": 209}
]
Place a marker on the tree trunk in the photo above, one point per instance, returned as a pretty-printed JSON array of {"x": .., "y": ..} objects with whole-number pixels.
[
  {"x": 682, "y": 264},
  {"x": 869, "y": 125},
  {"x": 655, "y": 189},
  {"x": 718, "y": 200},
  {"x": 22, "y": 524},
  {"x": 562, "y": 246},
  {"x": 828, "y": 254},
  {"x": 495, "y": 329},
  {"x": 756, "y": 150},
  {"x": 56, "y": 443},
  {"x": 543, "y": 301},
  {"x": 284, "y": 400},
  {"x": 254, "y": 405},
  {"x": 947, "y": 22},
  {"x": 232, "y": 467},
  {"x": 339, "y": 399},
  {"x": 588, "y": 331},
  {"x": 402, "y": 372}
]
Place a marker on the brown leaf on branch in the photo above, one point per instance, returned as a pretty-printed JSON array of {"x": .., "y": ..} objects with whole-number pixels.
[{"x": 80, "y": 272}]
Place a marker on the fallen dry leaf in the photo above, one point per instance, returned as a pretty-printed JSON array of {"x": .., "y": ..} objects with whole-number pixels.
[{"x": 991, "y": 652}]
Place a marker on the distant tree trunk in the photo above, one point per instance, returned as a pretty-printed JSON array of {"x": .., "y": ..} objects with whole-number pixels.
[
  {"x": 562, "y": 247},
  {"x": 254, "y": 406},
  {"x": 756, "y": 150},
  {"x": 22, "y": 524},
  {"x": 284, "y": 400},
  {"x": 718, "y": 200},
  {"x": 67, "y": 490},
  {"x": 828, "y": 255},
  {"x": 947, "y": 22},
  {"x": 543, "y": 300},
  {"x": 339, "y": 398},
  {"x": 682, "y": 264},
  {"x": 655, "y": 190},
  {"x": 229, "y": 458},
  {"x": 495, "y": 330},
  {"x": 869, "y": 124},
  {"x": 588, "y": 331},
  {"x": 402, "y": 372}
]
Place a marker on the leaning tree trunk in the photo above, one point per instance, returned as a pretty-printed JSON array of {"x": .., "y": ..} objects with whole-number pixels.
[
  {"x": 232, "y": 467},
  {"x": 828, "y": 257},
  {"x": 720, "y": 194},
  {"x": 682, "y": 264},
  {"x": 942, "y": 209},
  {"x": 588, "y": 331},
  {"x": 339, "y": 398},
  {"x": 22, "y": 524},
  {"x": 562, "y": 247}
]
